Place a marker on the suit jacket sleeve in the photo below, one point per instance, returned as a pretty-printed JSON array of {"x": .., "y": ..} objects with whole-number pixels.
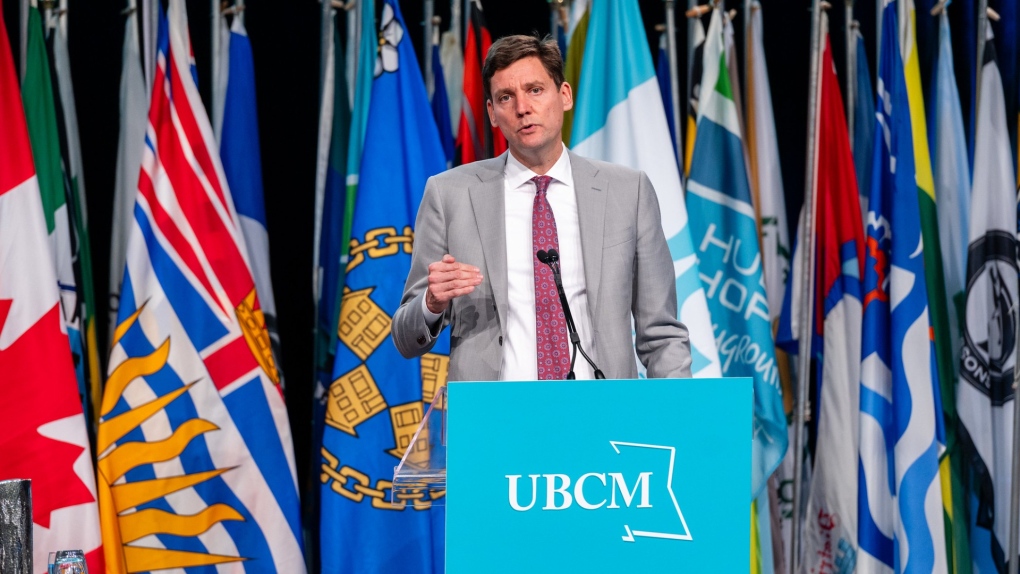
[
  {"x": 411, "y": 334},
  {"x": 662, "y": 342}
]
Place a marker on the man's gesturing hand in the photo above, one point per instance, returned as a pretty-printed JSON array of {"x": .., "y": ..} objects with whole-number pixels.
[{"x": 449, "y": 279}]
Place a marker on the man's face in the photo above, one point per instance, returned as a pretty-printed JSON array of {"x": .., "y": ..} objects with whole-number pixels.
[{"x": 528, "y": 108}]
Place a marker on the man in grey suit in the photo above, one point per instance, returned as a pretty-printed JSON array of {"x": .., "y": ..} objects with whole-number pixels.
[{"x": 480, "y": 227}]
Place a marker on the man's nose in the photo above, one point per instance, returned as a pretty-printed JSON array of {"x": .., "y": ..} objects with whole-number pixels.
[{"x": 521, "y": 106}]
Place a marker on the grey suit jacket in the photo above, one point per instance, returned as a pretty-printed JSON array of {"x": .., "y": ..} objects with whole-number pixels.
[{"x": 627, "y": 270}]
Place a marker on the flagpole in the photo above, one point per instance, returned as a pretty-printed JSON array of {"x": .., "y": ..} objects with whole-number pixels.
[
  {"x": 426, "y": 53},
  {"x": 353, "y": 47},
  {"x": 1014, "y": 498},
  {"x": 682, "y": 146},
  {"x": 150, "y": 29},
  {"x": 216, "y": 18},
  {"x": 23, "y": 40},
  {"x": 851, "y": 68},
  {"x": 982, "y": 26},
  {"x": 456, "y": 19},
  {"x": 674, "y": 81},
  {"x": 807, "y": 283}
]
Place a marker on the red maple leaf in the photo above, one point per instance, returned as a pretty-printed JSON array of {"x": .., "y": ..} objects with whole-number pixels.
[{"x": 38, "y": 386}]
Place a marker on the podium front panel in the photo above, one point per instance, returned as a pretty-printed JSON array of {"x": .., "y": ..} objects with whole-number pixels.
[{"x": 599, "y": 476}]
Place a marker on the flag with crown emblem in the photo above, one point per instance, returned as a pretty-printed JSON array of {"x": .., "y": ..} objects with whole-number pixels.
[
  {"x": 196, "y": 464},
  {"x": 377, "y": 398}
]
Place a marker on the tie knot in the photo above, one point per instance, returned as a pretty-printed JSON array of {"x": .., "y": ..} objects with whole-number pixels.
[{"x": 542, "y": 183}]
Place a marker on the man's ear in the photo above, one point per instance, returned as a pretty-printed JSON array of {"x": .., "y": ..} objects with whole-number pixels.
[
  {"x": 492, "y": 113},
  {"x": 566, "y": 96}
]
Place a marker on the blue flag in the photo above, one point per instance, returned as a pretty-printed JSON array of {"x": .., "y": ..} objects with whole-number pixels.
[
  {"x": 665, "y": 85},
  {"x": 864, "y": 123},
  {"x": 899, "y": 494},
  {"x": 441, "y": 108},
  {"x": 725, "y": 233},
  {"x": 242, "y": 166},
  {"x": 1007, "y": 40},
  {"x": 377, "y": 398}
]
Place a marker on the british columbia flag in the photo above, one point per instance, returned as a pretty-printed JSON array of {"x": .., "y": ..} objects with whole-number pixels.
[{"x": 196, "y": 463}]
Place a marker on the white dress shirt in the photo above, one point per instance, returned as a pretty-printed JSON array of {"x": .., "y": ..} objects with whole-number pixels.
[{"x": 520, "y": 356}]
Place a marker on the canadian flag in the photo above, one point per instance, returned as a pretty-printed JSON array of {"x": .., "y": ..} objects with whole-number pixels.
[{"x": 43, "y": 437}]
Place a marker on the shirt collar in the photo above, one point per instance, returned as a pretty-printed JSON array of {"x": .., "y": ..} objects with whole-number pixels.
[{"x": 517, "y": 174}]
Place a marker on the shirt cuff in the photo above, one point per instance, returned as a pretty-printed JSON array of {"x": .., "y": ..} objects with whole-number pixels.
[{"x": 431, "y": 319}]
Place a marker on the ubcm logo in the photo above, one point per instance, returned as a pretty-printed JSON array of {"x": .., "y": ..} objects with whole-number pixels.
[{"x": 615, "y": 489}]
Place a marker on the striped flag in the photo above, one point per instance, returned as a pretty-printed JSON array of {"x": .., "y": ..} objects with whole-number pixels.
[
  {"x": 620, "y": 119},
  {"x": 44, "y": 436},
  {"x": 377, "y": 398},
  {"x": 985, "y": 396},
  {"x": 196, "y": 463},
  {"x": 830, "y": 528},
  {"x": 899, "y": 493},
  {"x": 726, "y": 240},
  {"x": 952, "y": 185}
]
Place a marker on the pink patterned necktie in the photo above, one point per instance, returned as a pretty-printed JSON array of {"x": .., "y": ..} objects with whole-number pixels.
[{"x": 552, "y": 341}]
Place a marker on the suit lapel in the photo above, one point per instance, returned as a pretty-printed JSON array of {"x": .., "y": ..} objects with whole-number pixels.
[
  {"x": 591, "y": 191},
  {"x": 488, "y": 204}
]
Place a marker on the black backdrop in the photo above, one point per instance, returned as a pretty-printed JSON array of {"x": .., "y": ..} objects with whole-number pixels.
[{"x": 285, "y": 39}]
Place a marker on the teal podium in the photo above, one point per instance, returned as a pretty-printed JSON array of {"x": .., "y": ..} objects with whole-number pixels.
[{"x": 649, "y": 475}]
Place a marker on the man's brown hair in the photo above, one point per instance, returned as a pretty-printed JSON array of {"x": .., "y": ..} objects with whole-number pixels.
[{"x": 510, "y": 49}]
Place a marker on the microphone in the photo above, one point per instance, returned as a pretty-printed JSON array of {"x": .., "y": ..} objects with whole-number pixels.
[{"x": 552, "y": 258}]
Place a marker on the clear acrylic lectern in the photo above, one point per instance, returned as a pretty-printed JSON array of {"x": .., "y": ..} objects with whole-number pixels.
[{"x": 423, "y": 467}]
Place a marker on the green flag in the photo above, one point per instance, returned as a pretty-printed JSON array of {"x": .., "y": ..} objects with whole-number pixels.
[{"x": 58, "y": 198}]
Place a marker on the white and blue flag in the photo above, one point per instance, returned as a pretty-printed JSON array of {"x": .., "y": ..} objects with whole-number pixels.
[
  {"x": 901, "y": 524},
  {"x": 619, "y": 118}
]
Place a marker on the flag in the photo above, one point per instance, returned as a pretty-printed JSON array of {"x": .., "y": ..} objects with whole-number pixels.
[
  {"x": 696, "y": 73},
  {"x": 441, "y": 107},
  {"x": 934, "y": 277},
  {"x": 365, "y": 438},
  {"x": 830, "y": 528},
  {"x": 580, "y": 16},
  {"x": 1007, "y": 40},
  {"x": 74, "y": 181},
  {"x": 952, "y": 185},
  {"x": 130, "y": 141},
  {"x": 58, "y": 203},
  {"x": 619, "y": 118},
  {"x": 45, "y": 437},
  {"x": 766, "y": 181},
  {"x": 665, "y": 85},
  {"x": 766, "y": 177},
  {"x": 899, "y": 493},
  {"x": 726, "y": 239},
  {"x": 452, "y": 56},
  {"x": 197, "y": 465},
  {"x": 864, "y": 122},
  {"x": 336, "y": 189},
  {"x": 985, "y": 395},
  {"x": 242, "y": 166},
  {"x": 965, "y": 58},
  {"x": 476, "y": 137}
]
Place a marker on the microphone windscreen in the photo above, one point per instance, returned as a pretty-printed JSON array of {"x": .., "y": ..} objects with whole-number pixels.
[
  {"x": 543, "y": 257},
  {"x": 553, "y": 256}
]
